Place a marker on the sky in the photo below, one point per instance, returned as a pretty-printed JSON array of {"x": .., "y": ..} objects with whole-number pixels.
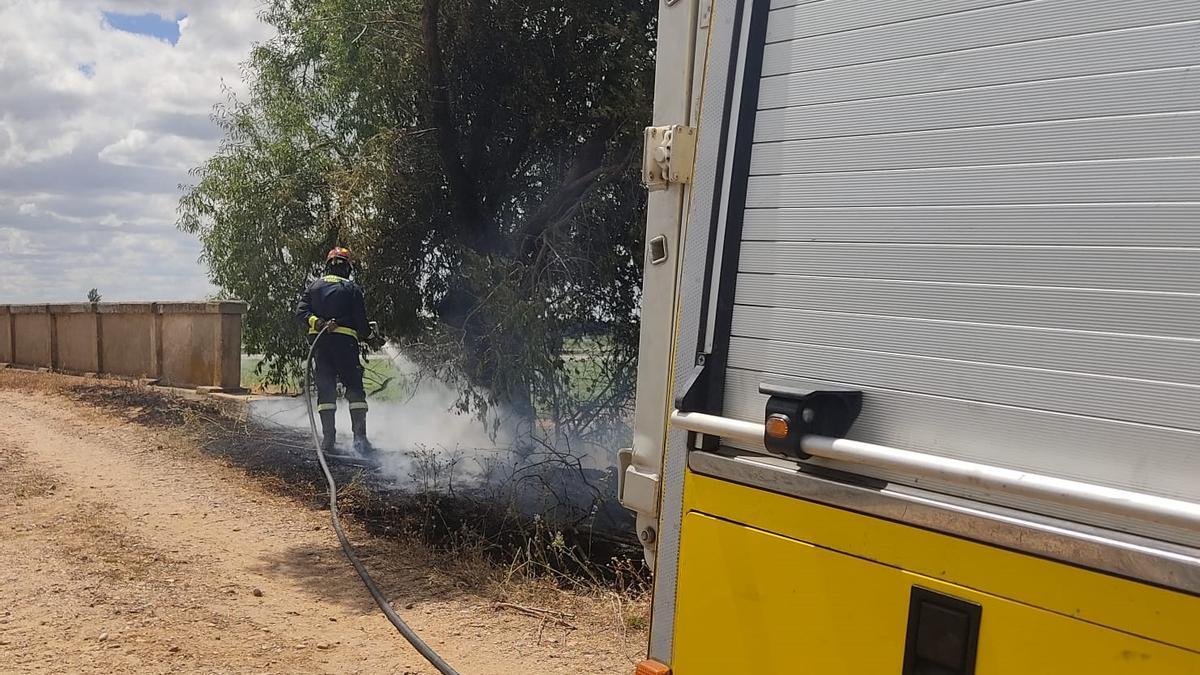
[{"x": 104, "y": 107}]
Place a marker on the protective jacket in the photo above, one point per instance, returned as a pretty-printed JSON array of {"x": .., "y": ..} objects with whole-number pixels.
[{"x": 338, "y": 298}]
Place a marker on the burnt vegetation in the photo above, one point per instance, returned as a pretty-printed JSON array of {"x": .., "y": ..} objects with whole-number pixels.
[
  {"x": 481, "y": 159},
  {"x": 545, "y": 518}
]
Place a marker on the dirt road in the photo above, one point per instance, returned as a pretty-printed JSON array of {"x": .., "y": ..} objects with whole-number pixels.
[{"x": 122, "y": 550}]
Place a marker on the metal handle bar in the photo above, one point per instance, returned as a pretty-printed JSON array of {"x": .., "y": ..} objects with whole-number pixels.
[{"x": 1161, "y": 510}]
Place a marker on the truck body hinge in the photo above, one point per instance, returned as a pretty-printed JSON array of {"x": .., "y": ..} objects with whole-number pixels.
[
  {"x": 668, "y": 156},
  {"x": 637, "y": 490}
]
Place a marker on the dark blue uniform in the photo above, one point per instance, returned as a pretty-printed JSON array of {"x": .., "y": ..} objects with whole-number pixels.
[{"x": 337, "y": 354}]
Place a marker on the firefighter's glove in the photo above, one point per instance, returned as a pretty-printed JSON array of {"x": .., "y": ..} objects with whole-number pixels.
[{"x": 375, "y": 340}]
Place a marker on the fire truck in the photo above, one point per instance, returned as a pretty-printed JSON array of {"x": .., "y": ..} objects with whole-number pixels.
[{"x": 919, "y": 384}]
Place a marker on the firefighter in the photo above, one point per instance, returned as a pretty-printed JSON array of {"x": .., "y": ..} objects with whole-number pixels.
[{"x": 335, "y": 303}]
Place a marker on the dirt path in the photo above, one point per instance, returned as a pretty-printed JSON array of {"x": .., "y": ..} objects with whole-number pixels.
[{"x": 123, "y": 552}]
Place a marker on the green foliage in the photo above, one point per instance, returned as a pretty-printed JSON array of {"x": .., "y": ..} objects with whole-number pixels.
[
  {"x": 478, "y": 156},
  {"x": 93, "y": 296}
]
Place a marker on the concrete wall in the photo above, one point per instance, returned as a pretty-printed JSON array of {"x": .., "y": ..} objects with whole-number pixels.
[
  {"x": 185, "y": 335},
  {"x": 6, "y": 354},
  {"x": 128, "y": 339},
  {"x": 231, "y": 343},
  {"x": 78, "y": 347},
  {"x": 186, "y": 344},
  {"x": 32, "y": 328}
]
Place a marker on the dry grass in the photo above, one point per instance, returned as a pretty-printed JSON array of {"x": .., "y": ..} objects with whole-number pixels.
[
  {"x": 113, "y": 552},
  {"x": 117, "y": 554},
  {"x": 456, "y": 549},
  {"x": 31, "y": 381},
  {"x": 20, "y": 481}
]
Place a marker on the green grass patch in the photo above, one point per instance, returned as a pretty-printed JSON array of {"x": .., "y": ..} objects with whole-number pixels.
[{"x": 381, "y": 378}]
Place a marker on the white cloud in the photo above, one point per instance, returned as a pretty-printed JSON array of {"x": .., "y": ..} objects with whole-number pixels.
[
  {"x": 91, "y": 157},
  {"x": 13, "y": 242},
  {"x": 156, "y": 151}
]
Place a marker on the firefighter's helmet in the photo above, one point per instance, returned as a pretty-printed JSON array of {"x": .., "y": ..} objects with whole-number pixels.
[{"x": 338, "y": 253}]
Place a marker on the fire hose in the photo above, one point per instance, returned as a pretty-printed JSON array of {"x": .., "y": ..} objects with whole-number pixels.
[{"x": 415, "y": 640}]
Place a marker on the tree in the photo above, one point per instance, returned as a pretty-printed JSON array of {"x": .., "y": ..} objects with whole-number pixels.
[
  {"x": 480, "y": 158},
  {"x": 93, "y": 296}
]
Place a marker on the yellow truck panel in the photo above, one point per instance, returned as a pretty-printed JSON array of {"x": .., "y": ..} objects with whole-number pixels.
[
  {"x": 750, "y": 601},
  {"x": 1169, "y": 616}
]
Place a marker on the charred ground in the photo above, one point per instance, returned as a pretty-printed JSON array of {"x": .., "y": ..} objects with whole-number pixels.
[{"x": 545, "y": 517}]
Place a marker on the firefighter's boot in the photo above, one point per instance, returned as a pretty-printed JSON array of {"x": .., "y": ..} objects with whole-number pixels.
[
  {"x": 328, "y": 430},
  {"x": 358, "y": 422}
]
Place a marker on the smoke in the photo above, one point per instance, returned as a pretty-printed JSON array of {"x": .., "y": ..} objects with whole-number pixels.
[
  {"x": 424, "y": 444},
  {"x": 412, "y": 423}
]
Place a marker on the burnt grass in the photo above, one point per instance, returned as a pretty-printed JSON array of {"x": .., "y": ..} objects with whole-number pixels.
[{"x": 559, "y": 521}]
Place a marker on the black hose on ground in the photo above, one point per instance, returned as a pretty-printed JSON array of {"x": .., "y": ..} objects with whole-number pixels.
[{"x": 408, "y": 633}]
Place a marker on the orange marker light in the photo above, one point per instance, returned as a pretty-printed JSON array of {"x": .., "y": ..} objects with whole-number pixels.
[
  {"x": 651, "y": 667},
  {"x": 778, "y": 426}
]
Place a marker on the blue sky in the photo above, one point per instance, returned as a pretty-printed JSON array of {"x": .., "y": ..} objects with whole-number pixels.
[
  {"x": 149, "y": 24},
  {"x": 104, "y": 108}
]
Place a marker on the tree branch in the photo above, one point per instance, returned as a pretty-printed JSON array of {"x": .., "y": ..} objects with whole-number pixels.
[
  {"x": 465, "y": 207},
  {"x": 480, "y": 29},
  {"x": 585, "y": 169}
]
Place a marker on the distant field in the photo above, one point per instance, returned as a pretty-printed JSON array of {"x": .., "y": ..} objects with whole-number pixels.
[{"x": 383, "y": 380}]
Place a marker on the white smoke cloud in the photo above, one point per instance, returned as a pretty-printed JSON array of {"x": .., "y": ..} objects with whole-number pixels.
[
  {"x": 423, "y": 444},
  {"x": 410, "y": 433}
]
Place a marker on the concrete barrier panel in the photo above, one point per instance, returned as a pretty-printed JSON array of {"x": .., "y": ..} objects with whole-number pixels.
[
  {"x": 185, "y": 344},
  {"x": 189, "y": 346},
  {"x": 231, "y": 349},
  {"x": 77, "y": 341},
  {"x": 201, "y": 343},
  {"x": 31, "y": 336},
  {"x": 127, "y": 338},
  {"x": 6, "y": 353}
]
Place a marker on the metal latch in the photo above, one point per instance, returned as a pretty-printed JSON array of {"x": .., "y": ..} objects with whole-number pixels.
[
  {"x": 658, "y": 250},
  {"x": 636, "y": 490},
  {"x": 668, "y": 155}
]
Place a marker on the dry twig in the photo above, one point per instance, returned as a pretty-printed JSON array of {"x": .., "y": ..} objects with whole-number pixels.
[{"x": 558, "y": 618}]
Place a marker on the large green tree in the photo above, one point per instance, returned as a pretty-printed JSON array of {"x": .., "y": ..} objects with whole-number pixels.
[{"x": 480, "y": 158}]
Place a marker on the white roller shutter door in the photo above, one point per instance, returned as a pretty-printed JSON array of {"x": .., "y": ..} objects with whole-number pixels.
[{"x": 986, "y": 215}]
